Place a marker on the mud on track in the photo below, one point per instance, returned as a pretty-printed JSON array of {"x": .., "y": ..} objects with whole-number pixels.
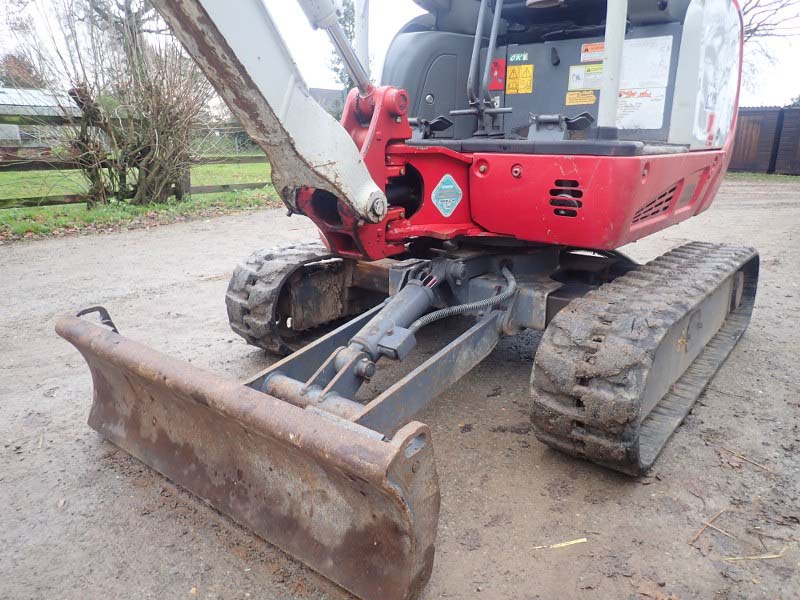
[{"x": 83, "y": 520}]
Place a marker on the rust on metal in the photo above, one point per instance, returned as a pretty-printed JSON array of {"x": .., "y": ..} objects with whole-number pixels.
[
  {"x": 372, "y": 275},
  {"x": 361, "y": 511}
]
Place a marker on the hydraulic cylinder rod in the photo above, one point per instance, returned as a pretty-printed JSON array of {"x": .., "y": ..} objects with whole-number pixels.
[
  {"x": 362, "y": 32},
  {"x": 324, "y": 14}
]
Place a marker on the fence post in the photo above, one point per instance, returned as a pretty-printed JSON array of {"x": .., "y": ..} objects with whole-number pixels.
[{"x": 186, "y": 182}]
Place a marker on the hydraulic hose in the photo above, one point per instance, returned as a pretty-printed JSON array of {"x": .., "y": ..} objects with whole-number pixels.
[{"x": 461, "y": 309}]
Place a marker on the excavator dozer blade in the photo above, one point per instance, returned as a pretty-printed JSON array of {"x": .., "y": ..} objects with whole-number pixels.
[{"x": 359, "y": 509}]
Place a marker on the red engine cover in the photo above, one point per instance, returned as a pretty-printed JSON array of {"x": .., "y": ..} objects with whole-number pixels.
[
  {"x": 595, "y": 202},
  {"x": 590, "y": 201}
]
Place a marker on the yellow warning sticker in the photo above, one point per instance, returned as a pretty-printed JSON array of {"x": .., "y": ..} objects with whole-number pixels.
[
  {"x": 581, "y": 97},
  {"x": 519, "y": 79}
]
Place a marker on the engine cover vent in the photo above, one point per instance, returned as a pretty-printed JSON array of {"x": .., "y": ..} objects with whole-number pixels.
[
  {"x": 656, "y": 206},
  {"x": 565, "y": 197}
]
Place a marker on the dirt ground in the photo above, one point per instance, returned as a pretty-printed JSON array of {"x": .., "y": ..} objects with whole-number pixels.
[{"x": 81, "y": 519}]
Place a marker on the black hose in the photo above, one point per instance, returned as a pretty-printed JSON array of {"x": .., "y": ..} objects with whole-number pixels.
[{"x": 461, "y": 309}]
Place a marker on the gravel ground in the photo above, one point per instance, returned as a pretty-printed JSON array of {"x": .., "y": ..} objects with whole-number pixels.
[{"x": 81, "y": 519}]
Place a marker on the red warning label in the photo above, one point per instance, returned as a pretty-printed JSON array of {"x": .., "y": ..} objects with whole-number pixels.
[{"x": 497, "y": 81}]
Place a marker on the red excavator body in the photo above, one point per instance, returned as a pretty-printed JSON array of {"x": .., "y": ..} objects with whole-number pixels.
[{"x": 582, "y": 201}]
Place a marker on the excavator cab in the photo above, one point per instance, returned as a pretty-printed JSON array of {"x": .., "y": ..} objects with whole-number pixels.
[
  {"x": 548, "y": 60},
  {"x": 511, "y": 150}
]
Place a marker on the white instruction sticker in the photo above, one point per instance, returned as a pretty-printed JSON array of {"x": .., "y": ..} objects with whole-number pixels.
[
  {"x": 645, "y": 63},
  {"x": 643, "y": 86},
  {"x": 585, "y": 77},
  {"x": 641, "y": 108}
]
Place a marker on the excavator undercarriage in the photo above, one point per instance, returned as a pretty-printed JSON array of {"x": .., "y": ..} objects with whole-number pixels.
[
  {"x": 506, "y": 211},
  {"x": 350, "y": 487}
]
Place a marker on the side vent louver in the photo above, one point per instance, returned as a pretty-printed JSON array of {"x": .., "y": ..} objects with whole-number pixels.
[
  {"x": 565, "y": 197},
  {"x": 656, "y": 206}
]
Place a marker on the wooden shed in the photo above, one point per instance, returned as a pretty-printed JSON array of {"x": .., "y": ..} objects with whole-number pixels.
[
  {"x": 787, "y": 161},
  {"x": 757, "y": 139}
]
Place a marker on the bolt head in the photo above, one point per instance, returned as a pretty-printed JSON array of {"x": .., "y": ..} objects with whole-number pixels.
[
  {"x": 366, "y": 368},
  {"x": 430, "y": 99},
  {"x": 377, "y": 208},
  {"x": 483, "y": 168}
]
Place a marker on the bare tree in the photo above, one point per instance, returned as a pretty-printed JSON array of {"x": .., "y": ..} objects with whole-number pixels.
[
  {"x": 770, "y": 19},
  {"x": 18, "y": 71},
  {"x": 141, "y": 96},
  {"x": 128, "y": 22}
]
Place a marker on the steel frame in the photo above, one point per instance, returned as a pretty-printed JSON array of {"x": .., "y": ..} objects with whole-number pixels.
[{"x": 326, "y": 374}]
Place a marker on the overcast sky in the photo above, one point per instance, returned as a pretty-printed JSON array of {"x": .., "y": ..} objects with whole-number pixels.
[
  {"x": 773, "y": 83},
  {"x": 312, "y": 50},
  {"x": 769, "y": 83}
]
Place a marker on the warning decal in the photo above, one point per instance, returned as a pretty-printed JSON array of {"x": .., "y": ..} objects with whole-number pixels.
[
  {"x": 447, "y": 196},
  {"x": 519, "y": 79},
  {"x": 498, "y": 80},
  {"x": 585, "y": 77},
  {"x": 643, "y": 86},
  {"x": 581, "y": 97},
  {"x": 593, "y": 52}
]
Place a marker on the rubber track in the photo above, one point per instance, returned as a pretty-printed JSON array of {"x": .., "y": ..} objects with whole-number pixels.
[
  {"x": 255, "y": 287},
  {"x": 592, "y": 365}
]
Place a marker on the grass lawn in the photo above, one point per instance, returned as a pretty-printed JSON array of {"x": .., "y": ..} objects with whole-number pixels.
[
  {"x": 762, "y": 177},
  {"x": 45, "y": 183},
  {"x": 17, "y": 223}
]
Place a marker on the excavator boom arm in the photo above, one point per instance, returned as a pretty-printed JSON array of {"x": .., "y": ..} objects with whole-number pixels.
[{"x": 243, "y": 55}]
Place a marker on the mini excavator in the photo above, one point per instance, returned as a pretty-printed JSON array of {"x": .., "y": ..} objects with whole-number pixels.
[{"x": 511, "y": 149}]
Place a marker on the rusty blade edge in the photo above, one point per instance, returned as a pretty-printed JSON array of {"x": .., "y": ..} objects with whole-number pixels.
[
  {"x": 284, "y": 422},
  {"x": 360, "y": 511}
]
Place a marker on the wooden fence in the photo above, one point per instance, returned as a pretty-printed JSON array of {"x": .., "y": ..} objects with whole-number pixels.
[
  {"x": 767, "y": 141},
  {"x": 17, "y": 164}
]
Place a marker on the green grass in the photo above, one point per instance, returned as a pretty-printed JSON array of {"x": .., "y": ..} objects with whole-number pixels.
[
  {"x": 46, "y": 183},
  {"x": 72, "y": 218},
  {"x": 762, "y": 177}
]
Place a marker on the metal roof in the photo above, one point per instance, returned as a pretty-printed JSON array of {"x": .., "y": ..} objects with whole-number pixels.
[{"x": 23, "y": 104}]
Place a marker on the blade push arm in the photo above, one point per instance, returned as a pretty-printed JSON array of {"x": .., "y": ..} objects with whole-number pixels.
[{"x": 238, "y": 47}]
